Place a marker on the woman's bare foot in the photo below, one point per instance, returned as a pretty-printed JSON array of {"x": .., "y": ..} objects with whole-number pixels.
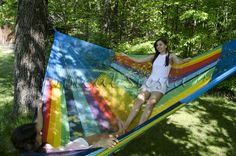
[{"x": 106, "y": 141}]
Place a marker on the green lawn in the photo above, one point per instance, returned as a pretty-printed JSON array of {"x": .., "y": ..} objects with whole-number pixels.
[
  {"x": 7, "y": 123},
  {"x": 6, "y": 98},
  {"x": 205, "y": 127}
]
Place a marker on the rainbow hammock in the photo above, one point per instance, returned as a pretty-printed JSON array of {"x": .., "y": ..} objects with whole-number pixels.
[{"x": 86, "y": 87}]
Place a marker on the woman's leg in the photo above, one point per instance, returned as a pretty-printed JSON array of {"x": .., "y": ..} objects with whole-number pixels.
[
  {"x": 153, "y": 99},
  {"x": 120, "y": 125},
  {"x": 143, "y": 95}
]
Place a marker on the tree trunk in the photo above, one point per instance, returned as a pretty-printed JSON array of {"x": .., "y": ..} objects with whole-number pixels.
[
  {"x": 107, "y": 19},
  {"x": 31, "y": 34}
]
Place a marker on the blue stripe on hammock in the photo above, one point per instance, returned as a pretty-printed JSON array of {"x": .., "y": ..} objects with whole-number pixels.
[
  {"x": 73, "y": 115},
  {"x": 89, "y": 125}
]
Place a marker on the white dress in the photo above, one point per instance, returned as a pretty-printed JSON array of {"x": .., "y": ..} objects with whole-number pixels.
[
  {"x": 158, "y": 79},
  {"x": 77, "y": 144}
]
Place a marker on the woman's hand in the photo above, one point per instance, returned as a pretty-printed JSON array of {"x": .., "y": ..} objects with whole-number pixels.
[
  {"x": 123, "y": 54},
  {"x": 187, "y": 59}
]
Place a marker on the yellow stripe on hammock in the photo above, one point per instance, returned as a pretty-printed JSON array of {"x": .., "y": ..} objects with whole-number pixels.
[
  {"x": 194, "y": 61},
  {"x": 116, "y": 97},
  {"x": 54, "y": 131}
]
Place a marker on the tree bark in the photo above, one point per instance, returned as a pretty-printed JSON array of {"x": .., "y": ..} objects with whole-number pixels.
[
  {"x": 31, "y": 34},
  {"x": 107, "y": 18}
]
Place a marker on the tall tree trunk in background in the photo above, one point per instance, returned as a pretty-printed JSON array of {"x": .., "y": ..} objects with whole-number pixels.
[
  {"x": 87, "y": 22},
  {"x": 115, "y": 22},
  {"x": 31, "y": 28},
  {"x": 122, "y": 19},
  {"x": 107, "y": 18}
]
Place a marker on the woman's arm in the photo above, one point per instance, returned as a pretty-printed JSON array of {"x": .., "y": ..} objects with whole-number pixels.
[
  {"x": 140, "y": 60},
  {"x": 178, "y": 60},
  {"x": 39, "y": 122},
  {"x": 39, "y": 119}
]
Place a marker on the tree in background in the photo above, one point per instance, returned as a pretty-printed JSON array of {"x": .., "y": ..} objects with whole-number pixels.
[
  {"x": 192, "y": 26},
  {"x": 31, "y": 34}
]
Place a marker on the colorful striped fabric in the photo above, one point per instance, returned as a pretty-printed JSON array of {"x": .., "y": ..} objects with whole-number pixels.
[
  {"x": 87, "y": 87},
  {"x": 177, "y": 71},
  {"x": 55, "y": 112}
]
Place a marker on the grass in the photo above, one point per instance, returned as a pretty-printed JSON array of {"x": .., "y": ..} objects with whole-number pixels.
[
  {"x": 7, "y": 123},
  {"x": 205, "y": 127},
  {"x": 6, "y": 98}
]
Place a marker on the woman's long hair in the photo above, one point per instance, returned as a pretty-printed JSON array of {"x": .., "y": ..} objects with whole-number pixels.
[
  {"x": 24, "y": 138},
  {"x": 157, "y": 52}
]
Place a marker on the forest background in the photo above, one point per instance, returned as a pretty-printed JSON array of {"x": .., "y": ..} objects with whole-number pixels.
[{"x": 205, "y": 127}]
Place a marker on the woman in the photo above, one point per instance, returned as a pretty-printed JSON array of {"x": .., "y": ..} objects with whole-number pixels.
[
  {"x": 27, "y": 138},
  {"x": 155, "y": 86}
]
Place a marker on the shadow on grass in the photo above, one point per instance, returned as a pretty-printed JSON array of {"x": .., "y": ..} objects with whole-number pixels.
[
  {"x": 6, "y": 98},
  {"x": 204, "y": 127},
  {"x": 6, "y": 126}
]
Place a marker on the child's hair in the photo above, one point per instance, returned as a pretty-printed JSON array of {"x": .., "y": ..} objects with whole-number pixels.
[
  {"x": 24, "y": 138},
  {"x": 164, "y": 40}
]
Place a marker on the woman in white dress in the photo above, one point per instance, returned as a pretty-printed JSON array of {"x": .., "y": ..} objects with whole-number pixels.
[{"x": 155, "y": 86}]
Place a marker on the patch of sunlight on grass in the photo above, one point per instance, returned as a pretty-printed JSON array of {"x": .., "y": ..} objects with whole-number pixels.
[
  {"x": 3, "y": 100},
  {"x": 6, "y": 78},
  {"x": 214, "y": 150},
  {"x": 226, "y": 116},
  {"x": 204, "y": 131},
  {"x": 6, "y": 50},
  {"x": 4, "y": 54},
  {"x": 185, "y": 118}
]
